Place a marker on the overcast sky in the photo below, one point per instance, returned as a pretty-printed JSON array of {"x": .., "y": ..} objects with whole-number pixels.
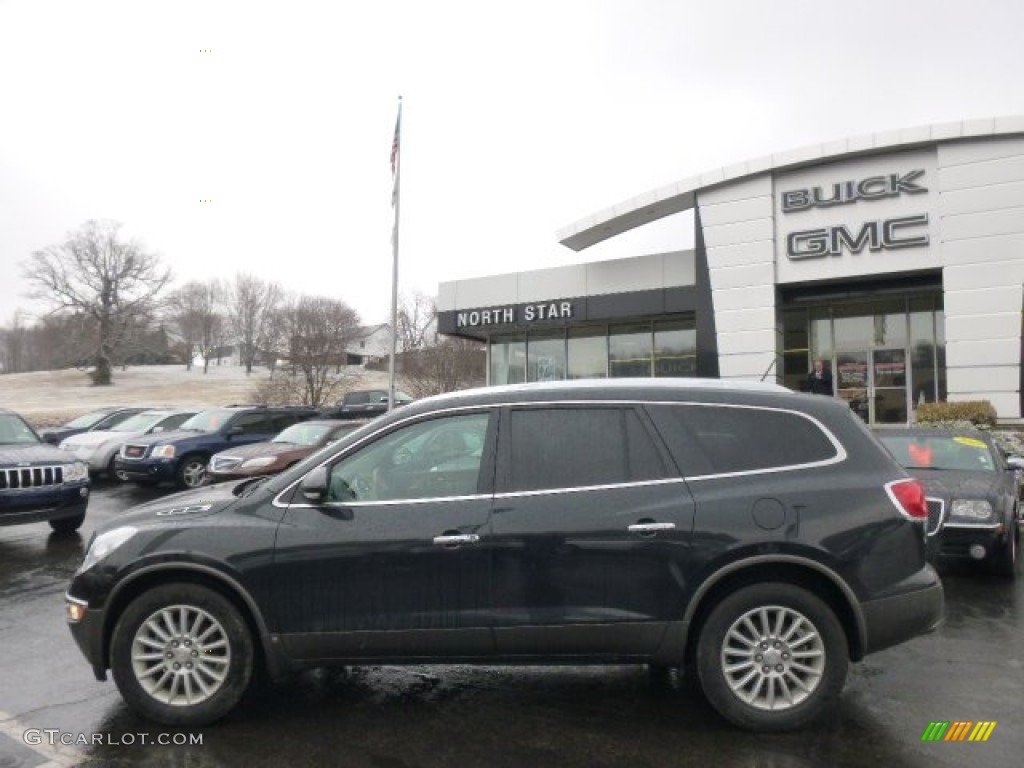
[{"x": 519, "y": 118}]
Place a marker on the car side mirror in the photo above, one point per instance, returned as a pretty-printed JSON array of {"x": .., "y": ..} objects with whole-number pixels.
[
  {"x": 1015, "y": 463},
  {"x": 314, "y": 486}
]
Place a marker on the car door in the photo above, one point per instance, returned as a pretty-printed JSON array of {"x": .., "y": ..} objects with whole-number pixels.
[
  {"x": 590, "y": 530},
  {"x": 395, "y": 562}
]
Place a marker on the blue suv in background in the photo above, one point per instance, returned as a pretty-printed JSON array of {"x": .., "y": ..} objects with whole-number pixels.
[{"x": 181, "y": 456}]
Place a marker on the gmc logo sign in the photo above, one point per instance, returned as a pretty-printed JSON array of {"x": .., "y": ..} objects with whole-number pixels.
[{"x": 882, "y": 235}]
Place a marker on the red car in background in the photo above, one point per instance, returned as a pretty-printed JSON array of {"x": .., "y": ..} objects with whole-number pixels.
[{"x": 290, "y": 446}]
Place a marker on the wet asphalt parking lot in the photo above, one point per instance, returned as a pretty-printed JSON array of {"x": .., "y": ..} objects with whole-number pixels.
[{"x": 971, "y": 669}]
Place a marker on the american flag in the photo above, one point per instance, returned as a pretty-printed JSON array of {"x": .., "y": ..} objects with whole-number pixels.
[{"x": 396, "y": 142}]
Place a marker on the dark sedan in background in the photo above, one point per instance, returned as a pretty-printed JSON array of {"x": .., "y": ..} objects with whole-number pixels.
[
  {"x": 291, "y": 445},
  {"x": 972, "y": 492}
]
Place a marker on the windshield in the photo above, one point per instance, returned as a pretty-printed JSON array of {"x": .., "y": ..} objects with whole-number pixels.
[
  {"x": 942, "y": 452},
  {"x": 140, "y": 422},
  {"x": 303, "y": 434},
  {"x": 87, "y": 420},
  {"x": 14, "y": 431},
  {"x": 208, "y": 421}
]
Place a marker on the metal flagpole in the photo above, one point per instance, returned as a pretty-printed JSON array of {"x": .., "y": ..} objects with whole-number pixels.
[{"x": 396, "y": 171}]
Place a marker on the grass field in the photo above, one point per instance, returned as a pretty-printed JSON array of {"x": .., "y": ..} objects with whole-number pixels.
[{"x": 50, "y": 398}]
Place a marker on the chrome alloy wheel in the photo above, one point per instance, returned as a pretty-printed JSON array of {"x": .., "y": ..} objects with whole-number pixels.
[
  {"x": 181, "y": 655},
  {"x": 773, "y": 658}
]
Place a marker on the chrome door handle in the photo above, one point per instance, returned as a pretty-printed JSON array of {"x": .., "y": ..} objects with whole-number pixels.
[
  {"x": 651, "y": 527},
  {"x": 454, "y": 541}
]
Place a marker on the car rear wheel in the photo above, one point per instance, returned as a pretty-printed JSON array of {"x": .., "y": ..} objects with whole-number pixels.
[
  {"x": 772, "y": 657},
  {"x": 182, "y": 654},
  {"x": 192, "y": 472},
  {"x": 112, "y": 473},
  {"x": 68, "y": 524}
]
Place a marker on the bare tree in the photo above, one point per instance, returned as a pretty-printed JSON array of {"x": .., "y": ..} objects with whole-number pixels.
[
  {"x": 98, "y": 274},
  {"x": 251, "y": 304},
  {"x": 444, "y": 366},
  {"x": 319, "y": 332},
  {"x": 416, "y": 322},
  {"x": 195, "y": 313},
  {"x": 14, "y": 342}
]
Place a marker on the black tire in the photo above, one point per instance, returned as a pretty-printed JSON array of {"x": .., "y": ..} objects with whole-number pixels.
[
  {"x": 192, "y": 471},
  {"x": 152, "y": 685},
  {"x": 747, "y": 682},
  {"x": 1003, "y": 560},
  {"x": 68, "y": 524},
  {"x": 112, "y": 473}
]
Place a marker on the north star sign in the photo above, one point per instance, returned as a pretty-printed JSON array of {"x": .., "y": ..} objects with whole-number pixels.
[
  {"x": 531, "y": 313},
  {"x": 883, "y": 234}
]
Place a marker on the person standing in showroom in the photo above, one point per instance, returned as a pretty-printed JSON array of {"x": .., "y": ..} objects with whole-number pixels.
[{"x": 819, "y": 380}]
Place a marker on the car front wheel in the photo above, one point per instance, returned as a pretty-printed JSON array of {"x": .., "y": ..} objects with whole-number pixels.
[
  {"x": 192, "y": 473},
  {"x": 772, "y": 657},
  {"x": 182, "y": 654}
]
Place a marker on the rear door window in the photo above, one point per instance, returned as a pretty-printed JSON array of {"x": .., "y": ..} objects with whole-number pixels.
[
  {"x": 719, "y": 439},
  {"x": 576, "y": 447}
]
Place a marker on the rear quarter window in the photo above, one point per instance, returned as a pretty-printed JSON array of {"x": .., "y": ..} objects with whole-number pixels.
[{"x": 720, "y": 439}]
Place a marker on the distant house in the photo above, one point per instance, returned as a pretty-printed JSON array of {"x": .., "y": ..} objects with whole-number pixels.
[{"x": 372, "y": 344}]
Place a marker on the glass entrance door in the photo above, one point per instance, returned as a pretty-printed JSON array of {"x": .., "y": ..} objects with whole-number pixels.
[
  {"x": 874, "y": 383},
  {"x": 888, "y": 387}
]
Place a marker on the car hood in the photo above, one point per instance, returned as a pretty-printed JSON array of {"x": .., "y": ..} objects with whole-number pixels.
[
  {"x": 266, "y": 449},
  {"x": 166, "y": 437},
  {"x": 957, "y": 484},
  {"x": 179, "y": 507},
  {"x": 33, "y": 454},
  {"x": 91, "y": 439}
]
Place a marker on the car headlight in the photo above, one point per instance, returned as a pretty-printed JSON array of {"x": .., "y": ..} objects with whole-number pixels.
[
  {"x": 76, "y": 473},
  {"x": 163, "y": 452},
  {"x": 262, "y": 461},
  {"x": 975, "y": 509},
  {"x": 106, "y": 543}
]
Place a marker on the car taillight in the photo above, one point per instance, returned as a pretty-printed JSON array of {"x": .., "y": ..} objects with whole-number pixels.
[{"x": 908, "y": 496}]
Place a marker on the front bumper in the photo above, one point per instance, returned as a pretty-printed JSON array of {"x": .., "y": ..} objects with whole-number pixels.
[
  {"x": 38, "y": 506},
  {"x": 151, "y": 470},
  {"x": 956, "y": 542},
  {"x": 915, "y": 607},
  {"x": 86, "y": 626}
]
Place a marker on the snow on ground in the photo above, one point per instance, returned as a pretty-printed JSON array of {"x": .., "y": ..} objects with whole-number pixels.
[{"x": 48, "y": 398}]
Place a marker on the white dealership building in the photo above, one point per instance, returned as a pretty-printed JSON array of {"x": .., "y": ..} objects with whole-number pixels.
[{"x": 896, "y": 257}]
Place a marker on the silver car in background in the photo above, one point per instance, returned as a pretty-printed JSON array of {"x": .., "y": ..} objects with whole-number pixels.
[{"x": 98, "y": 449}]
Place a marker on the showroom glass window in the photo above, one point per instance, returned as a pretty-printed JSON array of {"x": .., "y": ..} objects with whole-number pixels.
[
  {"x": 629, "y": 350},
  {"x": 588, "y": 353},
  {"x": 675, "y": 347},
  {"x": 508, "y": 360},
  {"x": 545, "y": 356},
  {"x": 430, "y": 459},
  {"x": 577, "y": 447}
]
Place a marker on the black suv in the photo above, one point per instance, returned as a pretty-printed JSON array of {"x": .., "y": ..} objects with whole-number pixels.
[
  {"x": 760, "y": 537},
  {"x": 38, "y": 481},
  {"x": 181, "y": 456}
]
